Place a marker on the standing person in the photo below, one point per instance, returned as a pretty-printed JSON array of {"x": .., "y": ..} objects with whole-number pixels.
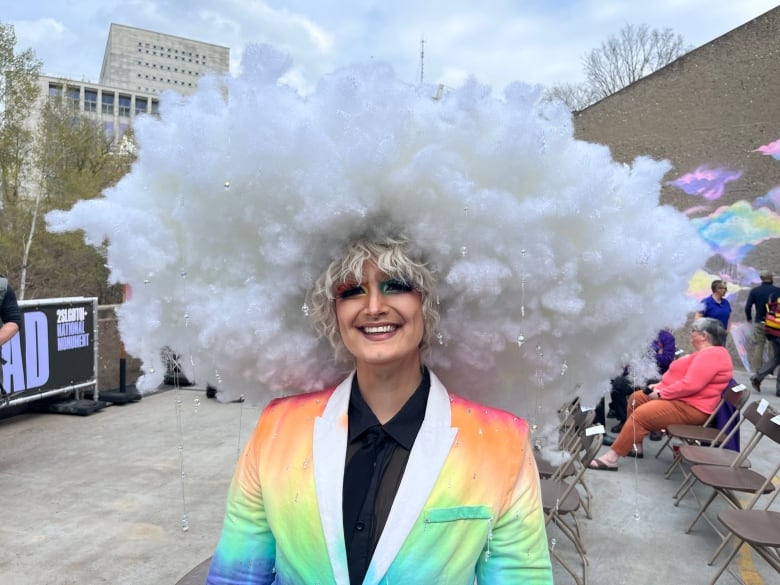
[
  {"x": 10, "y": 322},
  {"x": 387, "y": 478},
  {"x": 774, "y": 360},
  {"x": 717, "y": 305},
  {"x": 758, "y": 297},
  {"x": 688, "y": 393}
]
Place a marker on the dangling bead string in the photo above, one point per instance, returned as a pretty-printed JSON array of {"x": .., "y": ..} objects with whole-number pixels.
[
  {"x": 185, "y": 522},
  {"x": 637, "y": 515},
  {"x": 539, "y": 390}
]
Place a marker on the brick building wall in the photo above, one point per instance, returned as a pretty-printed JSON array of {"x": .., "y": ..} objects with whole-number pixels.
[{"x": 710, "y": 110}]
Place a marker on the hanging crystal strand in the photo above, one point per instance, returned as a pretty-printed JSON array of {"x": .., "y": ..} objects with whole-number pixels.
[
  {"x": 637, "y": 515},
  {"x": 240, "y": 425},
  {"x": 176, "y": 363},
  {"x": 539, "y": 390},
  {"x": 523, "y": 252},
  {"x": 489, "y": 538},
  {"x": 185, "y": 523}
]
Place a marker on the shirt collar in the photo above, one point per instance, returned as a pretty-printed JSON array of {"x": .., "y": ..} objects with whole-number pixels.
[{"x": 403, "y": 427}]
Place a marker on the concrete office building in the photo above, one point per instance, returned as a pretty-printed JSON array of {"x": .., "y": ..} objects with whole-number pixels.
[
  {"x": 137, "y": 66},
  {"x": 115, "y": 107},
  {"x": 152, "y": 62}
]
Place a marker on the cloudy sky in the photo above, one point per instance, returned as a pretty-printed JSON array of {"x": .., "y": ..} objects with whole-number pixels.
[{"x": 498, "y": 41}]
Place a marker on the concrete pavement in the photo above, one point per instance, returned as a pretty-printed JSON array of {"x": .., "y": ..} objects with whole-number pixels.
[{"x": 101, "y": 500}]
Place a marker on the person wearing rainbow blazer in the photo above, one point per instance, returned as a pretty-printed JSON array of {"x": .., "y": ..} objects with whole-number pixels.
[{"x": 387, "y": 478}]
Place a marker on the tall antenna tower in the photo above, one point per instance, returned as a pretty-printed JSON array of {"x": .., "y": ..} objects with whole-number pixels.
[{"x": 422, "y": 59}]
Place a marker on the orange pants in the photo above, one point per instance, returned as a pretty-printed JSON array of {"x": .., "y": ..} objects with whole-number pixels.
[{"x": 645, "y": 415}]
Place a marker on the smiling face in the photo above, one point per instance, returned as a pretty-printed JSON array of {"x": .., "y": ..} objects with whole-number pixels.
[{"x": 380, "y": 319}]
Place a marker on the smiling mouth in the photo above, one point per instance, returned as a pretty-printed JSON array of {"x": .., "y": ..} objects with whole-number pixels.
[{"x": 380, "y": 329}]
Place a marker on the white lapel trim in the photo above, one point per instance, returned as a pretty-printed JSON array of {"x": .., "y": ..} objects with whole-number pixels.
[
  {"x": 330, "y": 448},
  {"x": 430, "y": 450}
]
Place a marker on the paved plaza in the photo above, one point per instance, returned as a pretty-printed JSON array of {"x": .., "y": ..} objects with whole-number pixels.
[{"x": 100, "y": 500}]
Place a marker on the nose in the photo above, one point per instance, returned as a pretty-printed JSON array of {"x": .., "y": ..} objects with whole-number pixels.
[{"x": 375, "y": 301}]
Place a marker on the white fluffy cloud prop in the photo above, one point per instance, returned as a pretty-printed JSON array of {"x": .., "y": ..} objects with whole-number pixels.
[{"x": 557, "y": 265}]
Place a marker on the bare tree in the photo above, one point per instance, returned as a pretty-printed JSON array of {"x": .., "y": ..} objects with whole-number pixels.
[
  {"x": 73, "y": 159},
  {"x": 624, "y": 58},
  {"x": 636, "y": 51},
  {"x": 576, "y": 96}
]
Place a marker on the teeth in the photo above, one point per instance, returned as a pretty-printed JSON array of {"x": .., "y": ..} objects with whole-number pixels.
[{"x": 383, "y": 329}]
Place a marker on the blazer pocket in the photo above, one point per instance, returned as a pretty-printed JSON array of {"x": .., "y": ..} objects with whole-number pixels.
[{"x": 458, "y": 513}]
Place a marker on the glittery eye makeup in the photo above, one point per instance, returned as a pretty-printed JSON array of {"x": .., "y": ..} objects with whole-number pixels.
[
  {"x": 391, "y": 286},
  {"x": 349, "y": 289},
  {"x": 394, "y": 286}
]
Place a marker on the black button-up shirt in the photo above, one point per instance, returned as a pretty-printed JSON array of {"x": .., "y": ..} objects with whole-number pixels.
[{"x": 376, "y": 460}]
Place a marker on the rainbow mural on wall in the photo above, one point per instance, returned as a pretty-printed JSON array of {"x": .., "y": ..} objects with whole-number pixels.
[{"x": 731, "y": 232}]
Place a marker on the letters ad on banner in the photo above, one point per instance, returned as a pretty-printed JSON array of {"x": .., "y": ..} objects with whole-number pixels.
[{"x": 55, "y": 350}]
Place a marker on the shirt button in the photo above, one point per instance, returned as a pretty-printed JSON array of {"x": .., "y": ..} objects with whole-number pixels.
[{"x": 360, "y": 526}]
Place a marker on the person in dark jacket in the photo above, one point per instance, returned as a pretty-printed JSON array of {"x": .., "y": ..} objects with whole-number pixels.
[
  {"x": 758, "y": 297},
  {"x": 10, "y": 321}
]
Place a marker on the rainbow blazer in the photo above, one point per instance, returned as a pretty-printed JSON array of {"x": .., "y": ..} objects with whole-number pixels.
[{"x": 468, "y": 506}]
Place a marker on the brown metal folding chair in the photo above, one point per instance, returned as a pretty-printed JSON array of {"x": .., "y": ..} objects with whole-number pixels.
[
  {"x": 707, "y": 434},
  {"x": 571, "y": 446},
  {"x": 561, "y": 500},
  {"x": 728, "y": 482},
  {"x": 690, "y": 455},
  {"x": 759, "y": 528}
]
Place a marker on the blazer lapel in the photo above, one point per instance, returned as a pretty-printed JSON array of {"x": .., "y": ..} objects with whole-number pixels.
[
  {"x": 430, "y": 450},
  {"x": 330, "y": 448}
]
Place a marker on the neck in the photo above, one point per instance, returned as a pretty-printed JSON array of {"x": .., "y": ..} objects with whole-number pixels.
[{"x": 387, "y": 388}]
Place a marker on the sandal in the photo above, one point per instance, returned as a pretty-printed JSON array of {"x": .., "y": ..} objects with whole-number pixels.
[
  {"x": 636, "y": 454},
  {"x": 598, "y": 464}
]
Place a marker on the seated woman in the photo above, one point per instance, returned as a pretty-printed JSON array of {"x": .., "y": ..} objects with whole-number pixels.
[{"x": 687, "y": 393}]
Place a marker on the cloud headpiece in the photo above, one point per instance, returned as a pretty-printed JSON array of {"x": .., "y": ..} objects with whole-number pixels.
[{"x": 556, "y": 263}]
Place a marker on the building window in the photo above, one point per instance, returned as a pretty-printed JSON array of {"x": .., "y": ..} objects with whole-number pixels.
[
  {"x": 155, "y": 107},
  {"x": 108, "y": 103},
  {"x": 90, "y": 100},
  {"x": 55, "y": 90},
  {"x": 74, "y": 98},
  {"x": 124, "y": 106},
  {"x": 140, "y": 105}
]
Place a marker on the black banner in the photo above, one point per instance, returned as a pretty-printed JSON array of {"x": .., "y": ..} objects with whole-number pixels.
[{"x": 54, "y": 350}]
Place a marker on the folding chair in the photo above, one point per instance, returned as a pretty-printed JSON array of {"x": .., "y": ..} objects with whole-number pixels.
[
  {"x": 760, "y": 528},
  {"x": 573, "y": 420},
  {"x": 737, "y": 395},
  {"x": 720, "y": 456},
  {"x": 728, "y": 482},
  {"x": 561, "y": 500},
  {"x": 571, "y": 446}
]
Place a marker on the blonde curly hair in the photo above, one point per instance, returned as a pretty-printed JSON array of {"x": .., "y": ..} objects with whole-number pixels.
[{"x": 392, "y": 257}]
